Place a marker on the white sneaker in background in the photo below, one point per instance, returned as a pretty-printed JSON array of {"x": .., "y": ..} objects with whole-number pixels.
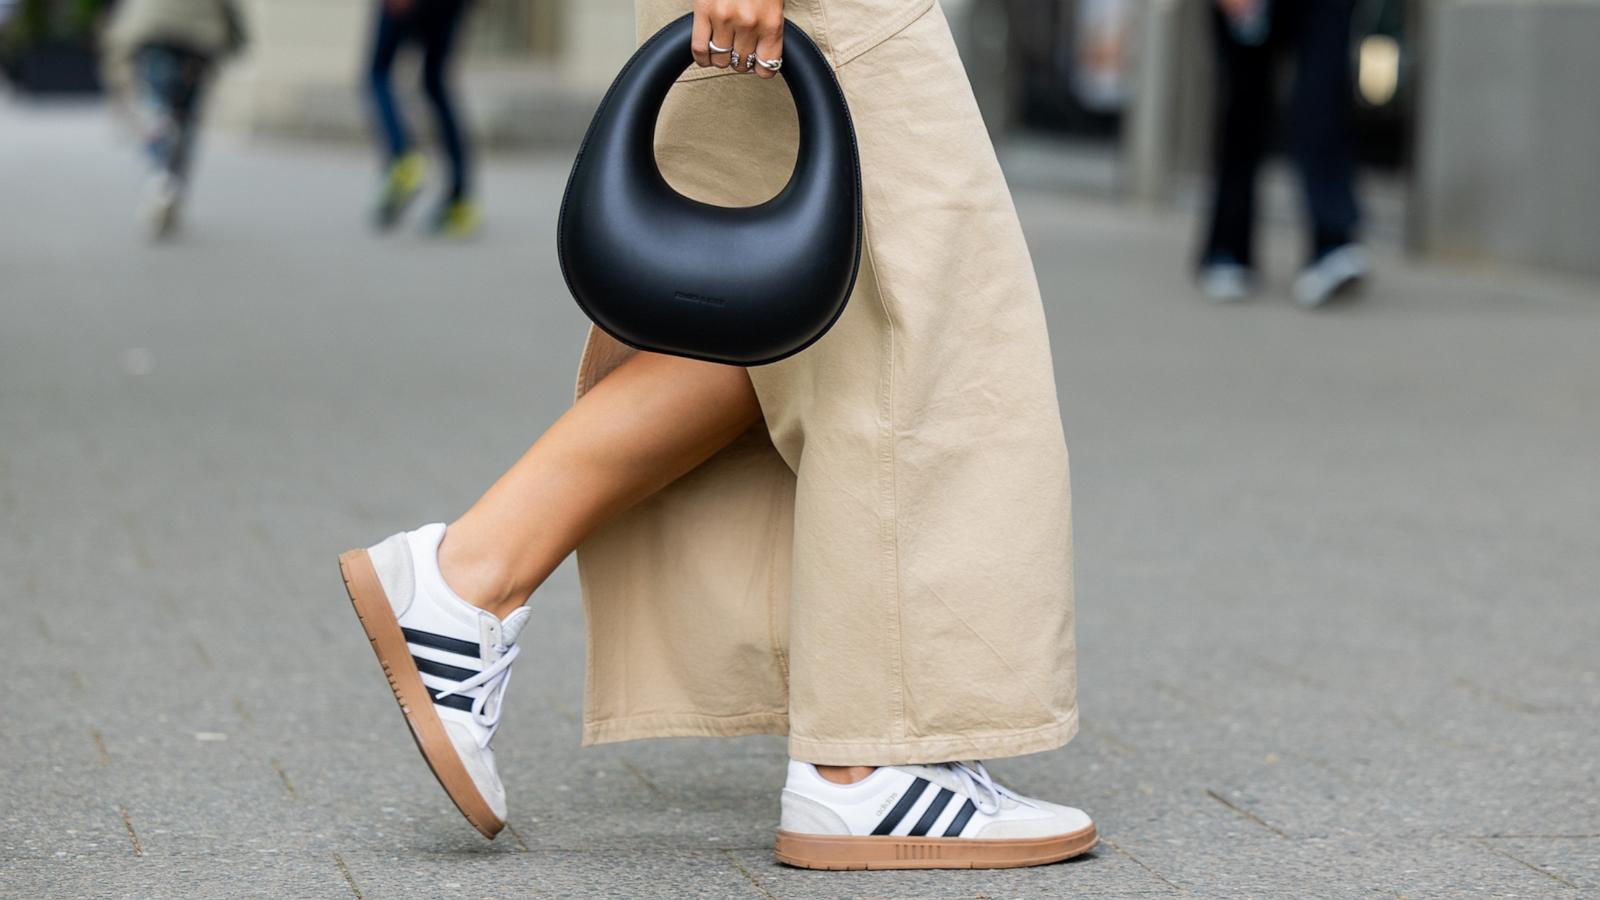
[
  {"x": 448, "y": 663},
  {"x": 1330, "y": 274},
  {"x": 1226, "y": 282},
  {"x": 946, "y": 816},
  {"x": 162, "y": 206}
]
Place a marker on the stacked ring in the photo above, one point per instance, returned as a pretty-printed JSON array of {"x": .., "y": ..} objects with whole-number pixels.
[{"x": 771, "y": 65}]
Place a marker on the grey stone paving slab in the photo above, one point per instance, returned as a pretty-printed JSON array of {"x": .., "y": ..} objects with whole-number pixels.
[{"x": 1336, "y": 572}]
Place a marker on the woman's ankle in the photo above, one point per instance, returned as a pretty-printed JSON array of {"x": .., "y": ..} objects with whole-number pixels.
[
  {"x": 480, "y": 579},
  {"x": 845, "y": 774}
]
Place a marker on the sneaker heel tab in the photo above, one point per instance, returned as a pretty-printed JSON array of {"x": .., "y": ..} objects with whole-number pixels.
[{"x": 391, "y": 560}]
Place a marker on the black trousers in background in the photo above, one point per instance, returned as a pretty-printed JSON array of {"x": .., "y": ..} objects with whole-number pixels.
[
  {"x": 433, "y": 26},
  {"x": 1317, "y": 33}
]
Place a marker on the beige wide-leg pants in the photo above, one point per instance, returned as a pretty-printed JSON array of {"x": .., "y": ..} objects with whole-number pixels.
[{"x": 884, "y": 571}]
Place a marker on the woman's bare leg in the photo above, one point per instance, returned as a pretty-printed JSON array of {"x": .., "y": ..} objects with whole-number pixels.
[{"x": 643, "y": 426}]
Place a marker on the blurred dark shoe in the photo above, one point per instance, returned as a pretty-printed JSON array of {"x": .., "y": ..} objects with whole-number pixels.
[
  {"x": 1226, "y": 281},
  {"x": 1331, "y": 274},
  {"x": 400, "y": 186},
  {"x": 457, "y": 219}
]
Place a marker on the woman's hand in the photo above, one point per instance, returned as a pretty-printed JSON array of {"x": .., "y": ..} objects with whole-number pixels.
[
  {"x": 752, "y": 29},
  {"x": 1239, "y": 10}
]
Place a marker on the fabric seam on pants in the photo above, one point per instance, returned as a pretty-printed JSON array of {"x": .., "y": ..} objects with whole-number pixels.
[
  {"x": 778, "y": 650},
  {"x": 826, "y": 28},
  {"x": 936, "y": 749},
  {"x": 890, "y": 533},
  {"x": 894, "y": 26}
]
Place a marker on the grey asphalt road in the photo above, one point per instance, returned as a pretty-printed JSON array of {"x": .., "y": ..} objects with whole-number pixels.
[{"x": 1337, "y": 572}]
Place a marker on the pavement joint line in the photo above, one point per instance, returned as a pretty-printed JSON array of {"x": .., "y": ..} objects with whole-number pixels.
[
  {"x": 644, "y": 780},
  {"x": 1143, "y": 865},
  {"x": 1324, "y": 765},
  {"x": 100, "y": 746},
  {"x": 1515, "y": 704},
  {"x": 754, "y": 882},
  {"x": 244, "y": 714},
  {"x": 1276, "y": 668},
  {"x": 1537, "y": 868},
  {"x": 1400, "y": 722},
  {"x": 1247, "y": 814},
  {"x": 1534, "y": 837},
  {"x": 133, "y": 836},
  {"x": 348, "y": 878},
  {"x": 200, "y": 651},
  {"x": 1184, "y": 697},
  {"x": 284, "y": 777},
  {"x": 1117, "y": 744}
]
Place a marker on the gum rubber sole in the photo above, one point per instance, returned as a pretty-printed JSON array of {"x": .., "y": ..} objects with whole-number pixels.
[
  {"x": 389, "y": 643},
  {"x": 822, "y": 851}
]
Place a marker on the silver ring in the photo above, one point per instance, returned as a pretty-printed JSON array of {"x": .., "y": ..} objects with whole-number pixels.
[
  {"x": 733, "y": 59},
  {"x": 771, "y": 65},
  {"x": 714, "y": 48}
]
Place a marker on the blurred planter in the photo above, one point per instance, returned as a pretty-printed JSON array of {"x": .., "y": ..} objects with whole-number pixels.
[
  {"x": 48, "y": 46},
  {"x": 58, "y": 68}
]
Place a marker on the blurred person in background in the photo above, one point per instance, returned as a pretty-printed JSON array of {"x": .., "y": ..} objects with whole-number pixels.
[
  {"x": 431, "y": 25},
  {"x": 1251, "y": 35},
  {"x": 162, "y": 54}
]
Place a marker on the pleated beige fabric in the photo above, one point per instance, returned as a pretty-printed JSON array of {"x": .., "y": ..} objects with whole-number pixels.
[{"x": 883, "y": 572}]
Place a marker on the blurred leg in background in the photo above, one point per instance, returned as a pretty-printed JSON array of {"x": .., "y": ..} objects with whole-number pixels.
[
  {"x": 438, "y": 23},
  {"x": 1320, "y": 142},
  {"x": 171, "y": 80},
  {"x": 1245, "y": 62},
  {"x": 1251, "y": 35},
  {"x": 403, "y": 165}
]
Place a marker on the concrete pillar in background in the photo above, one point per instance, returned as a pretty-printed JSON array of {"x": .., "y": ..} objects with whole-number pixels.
[
  {"x": 293, "y": 44},
  {"x": 1166, "y": 130},
  {"x": 1508, "y": 133}
]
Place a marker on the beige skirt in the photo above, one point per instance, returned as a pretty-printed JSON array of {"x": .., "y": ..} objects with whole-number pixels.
[{"x": 883, "y": 572}]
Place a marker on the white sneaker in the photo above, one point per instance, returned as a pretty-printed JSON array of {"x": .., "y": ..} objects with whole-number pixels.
[
  {"x": 163, "y": 204},
  {"x": 1333, "y": 272},
  {"x": 448, "y": 664},
  {"x": 946, "y": 816},
  {"x": 1226, "y": 282}
]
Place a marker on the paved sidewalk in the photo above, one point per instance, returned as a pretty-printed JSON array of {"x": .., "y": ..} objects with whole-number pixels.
[{"x": 1337, "y": 572}]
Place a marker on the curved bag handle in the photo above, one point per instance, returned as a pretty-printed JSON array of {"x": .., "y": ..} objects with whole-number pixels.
[{"x": 661, "y": 272}]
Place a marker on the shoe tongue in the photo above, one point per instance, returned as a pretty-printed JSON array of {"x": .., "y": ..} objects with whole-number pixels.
[
  {"x": 512, "y": 626},
  {"x": 945, "y": 777},
  {"x": 939, "y": 775}
]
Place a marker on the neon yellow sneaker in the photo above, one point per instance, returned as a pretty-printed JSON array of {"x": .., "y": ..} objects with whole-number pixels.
[
  {"x": 457, "y": 219},
  {"x": 400, "y": 187}
]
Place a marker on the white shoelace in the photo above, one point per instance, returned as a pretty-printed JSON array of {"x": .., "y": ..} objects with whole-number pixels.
[
  {"x": 986, "y": 793},
  {"x": 487, "y": 705}
]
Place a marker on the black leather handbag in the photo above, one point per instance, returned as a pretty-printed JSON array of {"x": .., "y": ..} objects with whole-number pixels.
[{"x": 661, "y": 272}]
